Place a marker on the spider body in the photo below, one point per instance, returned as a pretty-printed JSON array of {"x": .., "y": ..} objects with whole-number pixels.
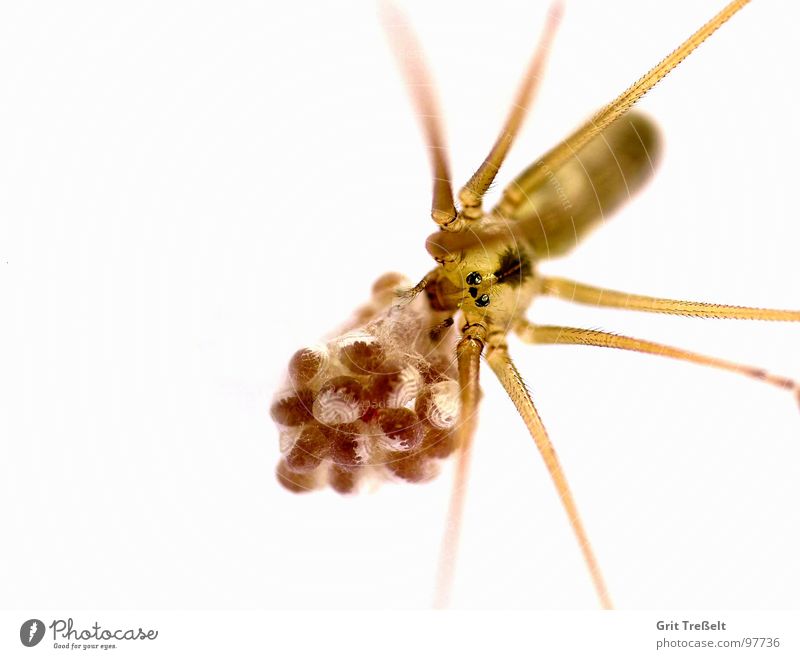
[{"x": 488, "y": 271}]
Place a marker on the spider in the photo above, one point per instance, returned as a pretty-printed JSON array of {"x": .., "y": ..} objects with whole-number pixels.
[{"x": 382, "y": 399}]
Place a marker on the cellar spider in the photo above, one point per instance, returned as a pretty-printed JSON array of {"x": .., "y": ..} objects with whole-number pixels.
[{"x": 555, "y": 288}]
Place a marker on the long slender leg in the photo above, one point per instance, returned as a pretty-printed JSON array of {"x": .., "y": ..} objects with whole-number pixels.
[
  {"x": 574, "y": 291},
  {"x": 576, "y": 336},
  {"x": 472, "y": 193},
  {"x": 409, "y": 55},
  {"x": 509, "y": 377},
  {"x": 626, "y": 100},
  {"x": 468, "y": 353}
]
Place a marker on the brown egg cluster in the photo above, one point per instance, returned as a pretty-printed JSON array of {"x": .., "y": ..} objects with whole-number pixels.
[{"x": 378, "y": 401}]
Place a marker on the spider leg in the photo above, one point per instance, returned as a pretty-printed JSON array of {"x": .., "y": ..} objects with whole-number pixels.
[
  {"x": 625, "y": 101},
  {"x": 547, "y": 334},
  {"x": 468, "y": 352},
  {"x": 501, "y": 363},
  {"x": 408, "y": 54},
  {"x": 471, "y": 195},
  {"x": 574, "y": 291}
]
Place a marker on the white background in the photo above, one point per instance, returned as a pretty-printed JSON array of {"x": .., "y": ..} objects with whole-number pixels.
[{"x": 189, "y": 193}]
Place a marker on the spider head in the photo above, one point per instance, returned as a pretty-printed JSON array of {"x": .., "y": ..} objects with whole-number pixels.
[{"x": 491, "y": 284}]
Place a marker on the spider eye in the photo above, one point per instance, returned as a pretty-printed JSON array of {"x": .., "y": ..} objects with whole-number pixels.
[
  {"x": 473, "y": 279},
  {"x": 482, "y": 301}
]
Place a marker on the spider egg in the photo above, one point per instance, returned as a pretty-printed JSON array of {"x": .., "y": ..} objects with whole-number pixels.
[
  {"x": 346, "y": 445},
  {"x": 402, "y": 430},
  {"x": 306, "y": 364},
  {"x": 340, "y": 400},
  {"x": 388, "y": 283},
  {"x": 295, "y": 482},
  {"x": 413, "y": 467},
  {"x": 363, "y": 357},
  {"x": 309, "y": 449},
  {"x": 396, "y": 389},
  {"x": 439, "y": 404},
  {"x": 293, "y": 409},
  {"x": 439, "y": 443},
  {"x": 342, "y": 480},
  {"x": 287, "y": 437}
]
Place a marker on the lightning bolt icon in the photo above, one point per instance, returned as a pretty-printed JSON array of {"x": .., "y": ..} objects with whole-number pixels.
[{"x": 32, "y": 630}]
